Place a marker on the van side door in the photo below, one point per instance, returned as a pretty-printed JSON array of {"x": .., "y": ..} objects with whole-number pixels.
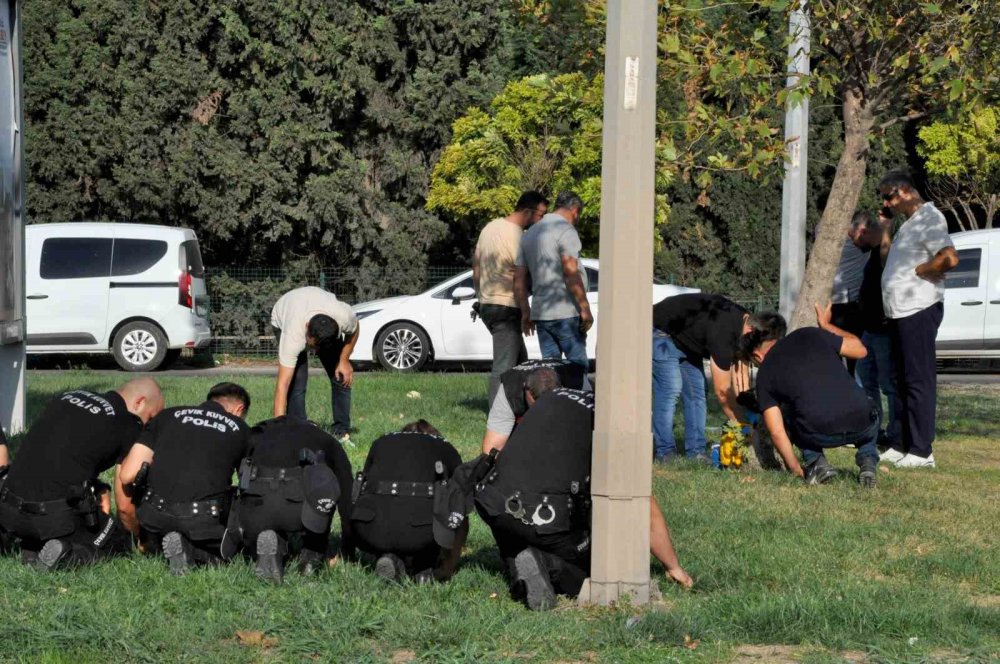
[
  {"x": 991, "y": 335},
  {"x": 965, "y": 300},
  {"x": 67, "y": 290}
]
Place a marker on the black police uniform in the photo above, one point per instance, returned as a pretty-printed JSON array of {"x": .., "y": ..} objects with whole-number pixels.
[
  {"x": 273, "y": 495},
  {"x": 394, "y": 511},
  {"x": 189, "y": 489},
  {"x": 538, "y": 492},
  {"x": 52, "y": 491},
  {"x": 513, "y": 380}
]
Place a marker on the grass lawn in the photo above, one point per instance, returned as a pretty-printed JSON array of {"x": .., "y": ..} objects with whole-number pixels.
[{"x": 907, "y": 573}]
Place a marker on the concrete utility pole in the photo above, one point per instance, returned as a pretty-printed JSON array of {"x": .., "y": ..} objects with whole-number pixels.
[
  {"x": 623, "y": 447},
  {"x": 793, "y": 199},
  {"x": 12, "y": 328}
]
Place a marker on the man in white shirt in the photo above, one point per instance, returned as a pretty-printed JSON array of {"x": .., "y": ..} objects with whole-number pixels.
[
  {"x": 913, "y": 299},
  {"x": 311, "y": 318}
]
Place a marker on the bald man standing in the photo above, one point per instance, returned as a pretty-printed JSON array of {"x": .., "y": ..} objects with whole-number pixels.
[{"x": 52, "y": 500}]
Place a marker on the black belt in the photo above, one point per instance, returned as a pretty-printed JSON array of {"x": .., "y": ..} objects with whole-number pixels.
[
  {"x": 279, "y": 474},
  {"x": 35, "y": 507},
  {"x": 532, "y": 509},
  {"x": 209, "y": 507},
  {"x": 408, "y": 489}
]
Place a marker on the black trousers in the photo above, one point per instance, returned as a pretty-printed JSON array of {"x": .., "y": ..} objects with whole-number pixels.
[
  {"x": 913, "y": 339},
  {"x": 255, "y": 514},
  {"x": 88, "y": 544},
  {"x": 205, "y": 534},
  {"x": 504, "y": 324},
  {"x": 567, "y": 555},
  {"x": 340, "y": 394}
]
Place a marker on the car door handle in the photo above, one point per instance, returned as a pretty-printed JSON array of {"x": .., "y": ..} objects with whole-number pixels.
[
  {"x": 37, "y": 297},
  {"x": 972, "y": 303},
  {"x": 994, "y": 301}
]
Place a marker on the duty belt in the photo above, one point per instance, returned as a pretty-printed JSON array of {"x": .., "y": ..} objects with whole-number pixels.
[
  {"x": 531, "y": 509},
  {"x": 408, "y": 489},
  {"x": 276, "y": 474},
  {"x": 35, "y": 507},
  {"x": 211, "y": 507}
]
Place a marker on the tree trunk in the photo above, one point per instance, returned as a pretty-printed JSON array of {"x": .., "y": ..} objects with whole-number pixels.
[
  {"x": 836, "y": 220},
  {"x": 971, "y": 223}
]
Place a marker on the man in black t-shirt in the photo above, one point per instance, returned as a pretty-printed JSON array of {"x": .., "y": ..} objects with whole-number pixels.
[
  {"x": 536, "y": 500},
  {"x": 875, "y": 372},
  {"x": 52, "y": 499},
  {"x": 808, "y": 399},
  {"x": 688, "y": 329},
  {"x": 519, "y": 387},
  {"x": 400, "y": 512},
  {"x": 191, "y": 452},
  {"x": 295, "y": 477}
]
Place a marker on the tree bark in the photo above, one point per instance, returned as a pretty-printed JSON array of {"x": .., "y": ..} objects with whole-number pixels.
[{"x": 836, "y": 220}]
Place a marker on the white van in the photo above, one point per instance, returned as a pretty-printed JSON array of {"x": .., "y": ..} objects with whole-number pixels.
[
  {"x": 971, "y": 325},
  {"x": 135, "y": 290}
]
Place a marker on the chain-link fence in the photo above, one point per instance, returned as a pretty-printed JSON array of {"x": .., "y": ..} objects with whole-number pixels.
[{"x": 242, "y": 297}]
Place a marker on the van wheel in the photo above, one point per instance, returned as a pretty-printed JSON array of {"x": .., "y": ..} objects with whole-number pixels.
[
  {"x": 402, "y": 347},
  {"x": 139, "y": 347}
]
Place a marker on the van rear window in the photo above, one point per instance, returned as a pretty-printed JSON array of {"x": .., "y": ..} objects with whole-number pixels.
[
  {"x": 135, "y": 256},
  {"x": 191, "y": 259},
  {"x": 75, "y": 258}
]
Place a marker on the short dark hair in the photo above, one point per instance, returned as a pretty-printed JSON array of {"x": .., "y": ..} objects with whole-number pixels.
[
  {"x": 421, "y": 426},
  {"x": 530, "y": 200},
  {"x": 229, "y": 391},
  {"x": 861, "y": 218},
  {"x": 569, "y": 201},
  {"x": 542, "y": 380},
  {"x": 895, "y": 179},
  {"x": 323, "y": 329},
  {"x": 764, "y": 326}
]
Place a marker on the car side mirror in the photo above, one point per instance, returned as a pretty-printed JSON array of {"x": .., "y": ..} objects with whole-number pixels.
[{"x": 462, "y": 293}]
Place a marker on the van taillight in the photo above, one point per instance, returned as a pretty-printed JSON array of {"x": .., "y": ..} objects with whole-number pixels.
[{"x": 184, "y": 296}]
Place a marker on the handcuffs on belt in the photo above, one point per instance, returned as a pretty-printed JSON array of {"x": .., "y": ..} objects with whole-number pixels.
[{"x": 514, "y": 507}]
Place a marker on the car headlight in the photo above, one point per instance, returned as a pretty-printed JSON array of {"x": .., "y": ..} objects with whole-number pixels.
[{"x": 366, "y": 314}]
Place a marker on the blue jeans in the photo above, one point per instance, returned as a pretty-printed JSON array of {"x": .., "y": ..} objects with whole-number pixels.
[
  {"x": 812, "y": 447},
  {"x": 673, "y": 377},
  {"x": 563, "y": 337},
  {"x": 875, "y": 373},
  {"x": 340, "y": 394}
]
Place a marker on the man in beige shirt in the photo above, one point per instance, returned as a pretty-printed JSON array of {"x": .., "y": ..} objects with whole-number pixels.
[
  {"x": 493, "y": 277},
  {"x": 311, "y": 318}
]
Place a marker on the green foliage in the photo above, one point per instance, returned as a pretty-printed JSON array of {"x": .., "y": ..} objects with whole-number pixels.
[
  {"x": 963, "y": 161},
  {"x": 302, "y": 128}
]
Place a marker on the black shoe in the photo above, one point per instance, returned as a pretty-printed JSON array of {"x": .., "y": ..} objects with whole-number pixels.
[
  {"x": 820, "y": 472},
  {"x": 424, "y": 577},
  {"x": 390, "y": 567},
  {"x": 530, "y": 571},
  {"x": 179, "y": 553},
  {"x": 270, "y": 563},
  {"x": 310, "y": 563},
  {"x": 868, "y": 477},
  {"x": 53, "y": 554}
]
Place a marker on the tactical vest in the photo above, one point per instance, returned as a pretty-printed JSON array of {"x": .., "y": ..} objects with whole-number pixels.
[{"x": 542, "y": 476}]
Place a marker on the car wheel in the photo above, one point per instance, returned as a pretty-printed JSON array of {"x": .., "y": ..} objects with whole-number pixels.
[
  {"x": 139, "y": 346},
  {"x": 402, "y": 347}
]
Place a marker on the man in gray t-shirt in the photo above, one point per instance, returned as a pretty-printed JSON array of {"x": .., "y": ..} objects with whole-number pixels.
[{"x": 548, "y": 266}]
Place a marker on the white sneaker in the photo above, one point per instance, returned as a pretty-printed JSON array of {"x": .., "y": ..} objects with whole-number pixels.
[
  {"x": 891, "y": 456},
  {"x": 914, "y": 461}
]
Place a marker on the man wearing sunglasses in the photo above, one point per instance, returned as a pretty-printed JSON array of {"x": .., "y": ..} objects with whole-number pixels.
[{"x": 913, "y": 297}]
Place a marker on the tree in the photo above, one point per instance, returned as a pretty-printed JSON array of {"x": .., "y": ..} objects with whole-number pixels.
[
  {"x": 963, "y": 161},
  {"x": 275, "y": 130},
  {"x": 886, "y": 63}
]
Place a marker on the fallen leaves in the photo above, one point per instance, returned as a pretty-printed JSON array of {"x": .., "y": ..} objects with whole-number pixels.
[
  {"x": 255, "y": 639},
  {"x": 690, "y": 643}
]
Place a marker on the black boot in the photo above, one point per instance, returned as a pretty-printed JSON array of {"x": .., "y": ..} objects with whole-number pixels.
[
  {"x": 179, "y": 553},
  {"x": 868, "y": 477},
  {"x": 270, "y": 557},
  {"x": 532, "y": 575},
  {"x": 820, "y": 472}
]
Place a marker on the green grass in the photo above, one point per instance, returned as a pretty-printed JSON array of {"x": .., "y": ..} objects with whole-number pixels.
[{"x": 829, "y": 572}]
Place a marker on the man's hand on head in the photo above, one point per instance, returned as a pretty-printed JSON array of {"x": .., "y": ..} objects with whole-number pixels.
[{"x": 824, "y": 314}]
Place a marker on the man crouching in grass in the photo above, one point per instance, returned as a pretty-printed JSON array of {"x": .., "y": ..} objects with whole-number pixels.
[{"x": 808, "y": 399}]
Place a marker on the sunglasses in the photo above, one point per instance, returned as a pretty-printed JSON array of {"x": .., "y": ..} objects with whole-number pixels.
[{"x": 891, "y": 195}]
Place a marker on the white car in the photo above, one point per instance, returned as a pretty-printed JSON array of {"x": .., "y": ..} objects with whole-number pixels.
[
  {"x": 971, "y": 325},
  {"x": 135, "y": 290},
  {"x": 404, "y": 333}
]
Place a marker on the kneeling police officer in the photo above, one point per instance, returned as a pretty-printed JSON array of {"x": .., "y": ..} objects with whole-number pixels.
[
  {"x": 52, "y": 500},
  {"x": 295, "y": 476},
  {"x": 518, "y": 391},
  {"x": 189, "y": 454},
  {"x": 536, "y": 500},
  {"x": 402, "y": 512}
]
